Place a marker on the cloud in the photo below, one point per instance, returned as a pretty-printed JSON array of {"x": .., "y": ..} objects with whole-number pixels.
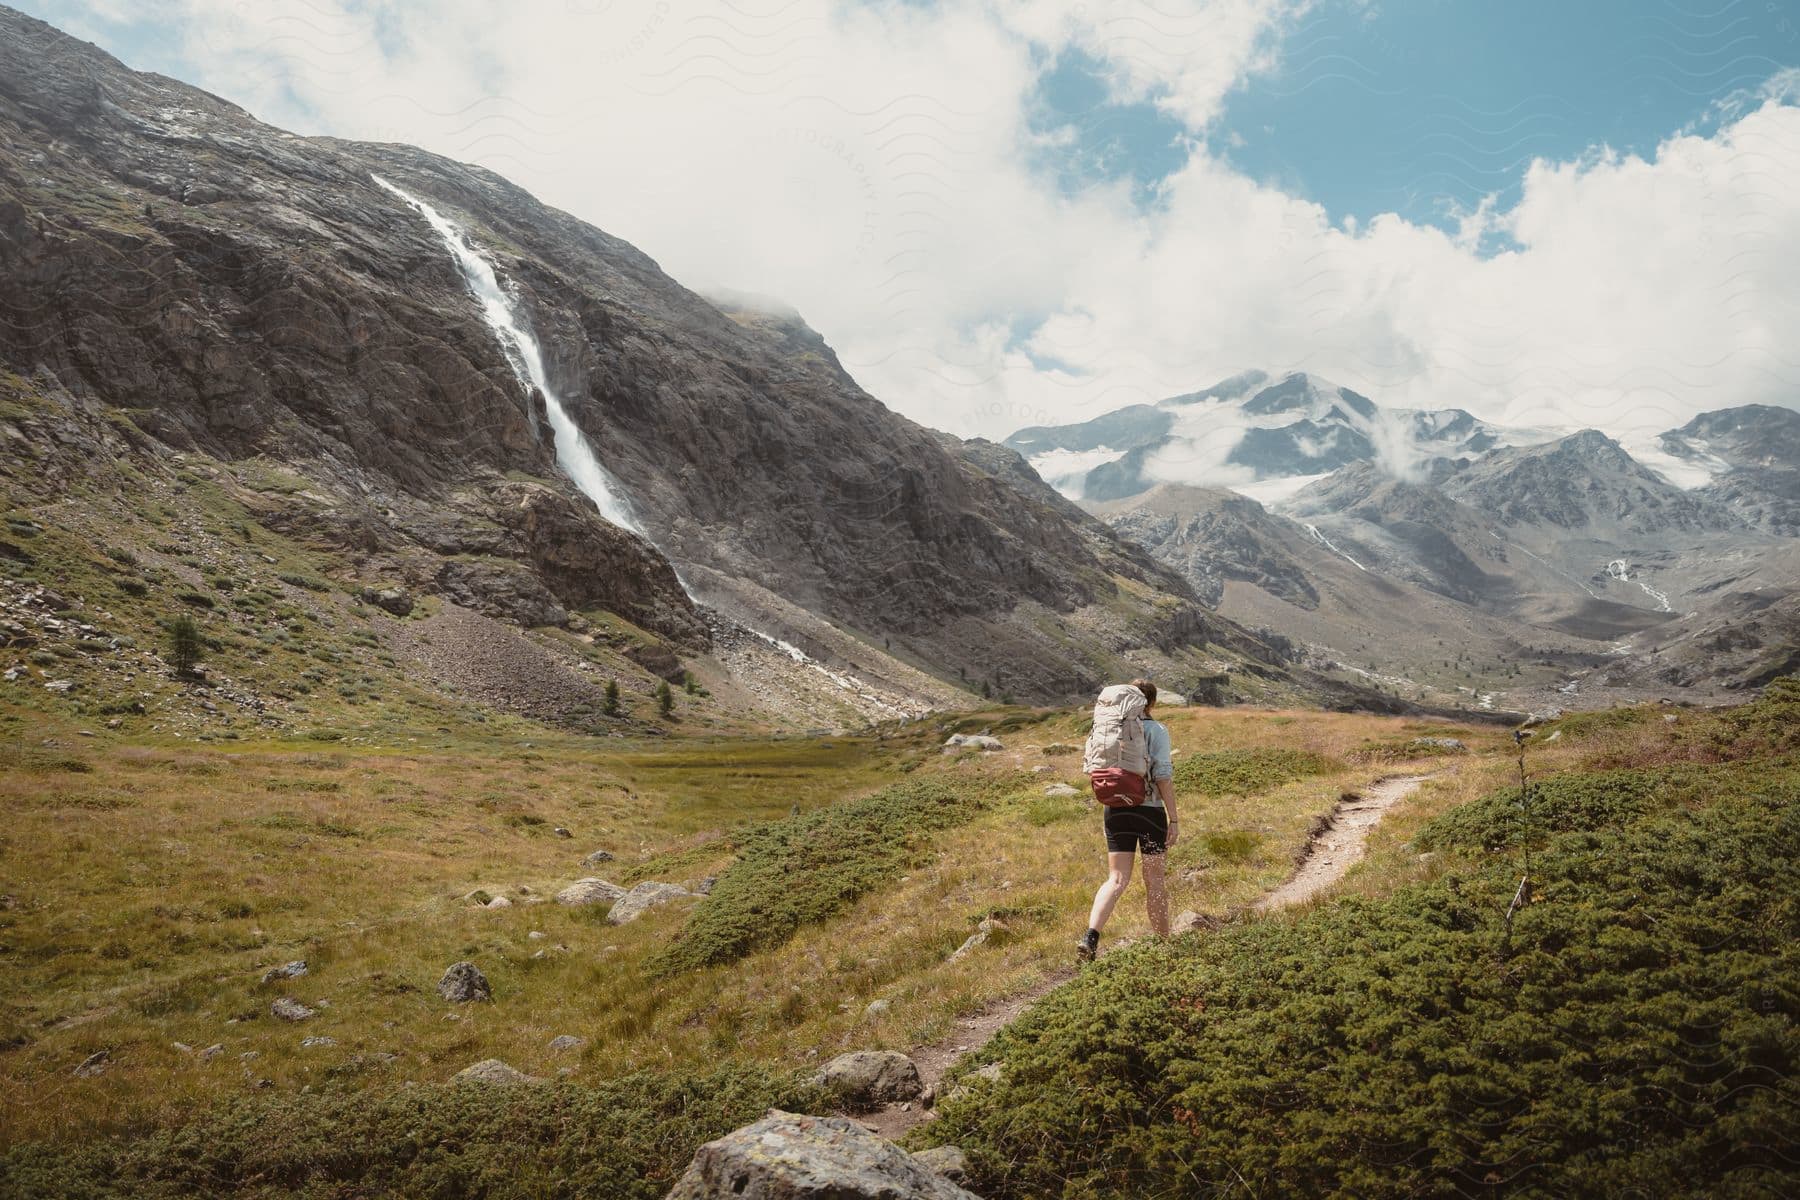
[{"x": 876, "y": 166}]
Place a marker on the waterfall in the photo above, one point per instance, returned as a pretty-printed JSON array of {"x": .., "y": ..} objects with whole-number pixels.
[{"x": 513, "y": 331}]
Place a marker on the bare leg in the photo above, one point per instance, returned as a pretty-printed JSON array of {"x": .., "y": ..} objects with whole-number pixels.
[
  {"x": 1156, "y": 893},
  {"x": 1118, "y": 875}
]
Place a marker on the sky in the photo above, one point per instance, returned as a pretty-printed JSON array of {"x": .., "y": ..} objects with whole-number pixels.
[{"x": 1018, "y": 212}]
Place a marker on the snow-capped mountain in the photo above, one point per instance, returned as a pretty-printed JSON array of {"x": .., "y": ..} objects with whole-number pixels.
[{"x": 1263, "y": 438}]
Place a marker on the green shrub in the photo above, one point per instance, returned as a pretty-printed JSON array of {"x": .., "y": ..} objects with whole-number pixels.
[
  {"x": 311, "y": 583},
  {"x": 1635, "y": 1028},
  {"x": 132, "y": 587},
  {"x": 804, "y": 869},
  {"x": 1247, "y": 772},
  {"x": 629, "y": 1137},
  {"x": 184, "y": 644}
]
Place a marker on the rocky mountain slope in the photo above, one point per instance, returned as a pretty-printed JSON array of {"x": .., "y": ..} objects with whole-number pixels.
[
  {"x": 1752, "y": 454},
  {"x": 215, "y": 287}
]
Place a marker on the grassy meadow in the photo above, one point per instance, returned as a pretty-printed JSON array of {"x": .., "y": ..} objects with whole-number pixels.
[{"x": 149, "y": 887}]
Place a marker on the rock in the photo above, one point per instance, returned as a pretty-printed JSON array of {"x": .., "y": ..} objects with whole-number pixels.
[
  {"x": 598, "y": 857},
  {"x": 1190, "y": 921},
  {"x": 977, "y": 741},
  {"x": 590, "y": 891},
  {"x": 868, "y": 1078},
  {"x": 213, "y": 1051},
  {"x": 701, "y": 887},
  {"x": 289, "y": 1009},
  {"x": 978, "y": 938},
  {"x": 59, "y": 685},
  {"x": 393, "y": 600},
  {"x": 642, "y": 898},
  {"x": 94, "y": 1064},
  {"x": 318, "y": 1041},
  {"x": 536, "y": 935},
  {"x": 1448, "y": 745},
  {"x": 463, "y": 983},
  {"x": 877, "y": 1007},
  {"x": 566, "y": 1042},
  {"x": 498, "y": 902},
  {"x": 291, "y": 970},
  {"x": 947, "y": 1161},
  {"x": 560, "y": 832},
  {"x": 492, "y": 1071},
  {"x": 787, "y": 1156},
  {"x": 183, "y": 1047},
  {"x": 1061, "y": 789}
]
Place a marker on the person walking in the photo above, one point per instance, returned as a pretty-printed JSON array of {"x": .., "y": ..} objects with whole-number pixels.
[{"x": 1148, "y": 827}]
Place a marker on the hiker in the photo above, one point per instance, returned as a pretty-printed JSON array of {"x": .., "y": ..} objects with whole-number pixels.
[{"x": 1128, "y": 761}]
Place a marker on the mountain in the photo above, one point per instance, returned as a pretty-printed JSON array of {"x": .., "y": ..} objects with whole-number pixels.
[
  {"x": 1241, "y": 431},
  {"x": 429, "y": 352},
  {"x": 1752, "y": 455}
]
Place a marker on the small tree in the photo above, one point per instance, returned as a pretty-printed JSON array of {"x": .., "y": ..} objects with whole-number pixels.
[
  {"x": 689, "y": 683},
  {"x": 665, "y": 699},
  {"x": 184, "y": 644},
  {"x": 610, "y": 706}
]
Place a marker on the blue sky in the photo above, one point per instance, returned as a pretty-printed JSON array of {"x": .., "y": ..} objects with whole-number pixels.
[
  {"x": 1424, "y": 107},
  {"x": 1021, "y": 212}
]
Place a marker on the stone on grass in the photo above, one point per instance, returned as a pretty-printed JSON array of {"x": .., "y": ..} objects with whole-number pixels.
[
  {"x": 213, "y": 1051},
  {"x": 786, "y": 1156},
  {"x": 493, "y": 1071},
  {"x": 598, "y": 857},
  {"x": 94, "y": 1064},
  {"x": 642, "y": 898},
  {"x": 1061, "y": 789},
  {"x": 498, "y": 902},
  {"x": 947, "y": 1161},
  {"x": 567, "y": 1041},
  {"x": 561, "y": 832},
  {"x": 1189, "y": 921},
  {"x": 463, "y": 982},
  {"x": 318, "y": 1041},
  {"x": 292, "y": 970},
  {"x": 877, "y": 1007},
  {"x": 869, "y": 1078},
  {"x": 972, "y": 741},
  {"x": 979, "y": 938},
  {"x": 1447, "y": 745},
  {"x": 590, "y": 891},
  {"x": 289, "y": 1009}
]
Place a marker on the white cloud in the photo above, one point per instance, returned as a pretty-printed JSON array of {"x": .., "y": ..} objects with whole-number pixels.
[{"x": 873, "y": 165}]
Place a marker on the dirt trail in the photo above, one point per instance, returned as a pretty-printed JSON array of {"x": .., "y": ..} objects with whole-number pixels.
[{"x": 1337, "y": 843}]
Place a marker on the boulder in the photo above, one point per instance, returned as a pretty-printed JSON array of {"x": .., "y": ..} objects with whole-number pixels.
[
  {"x": 978, "y": 938},
  {"x": 94, "y": 1064},
  {"x": 498, "y": 902},
  {"x": 289, "y": 1009},
  {"x": 320, "y": 1040},
  {"x": 787, "y": 1156},
  {"x": 291, "y": 970},
  {"x": 642, "y": 898},
  {"x": 869, "y": 1078},
  {"x": 1440, "y": 745},
  {"x": 492, "y": 1071},
  {"x": 393, "y": 600},
  {"x": 1189, "y": 921},
  {"x": 590, "y": 891},
  {"x": 463, "y": 982},
  {"x": 598, "y": 857},
  {"x": 972, "y": 741},
  {"x": 1061, "y": 789},
  {"x": 567, "y": 1041}
]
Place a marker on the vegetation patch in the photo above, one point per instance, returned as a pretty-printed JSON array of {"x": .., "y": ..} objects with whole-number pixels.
[
  {"x": 1632, "y": 1026},
  {"x": 1247, "y": 772},
  {"x": 807, "y": 868},
  {"x": 629, "y": 1137}
]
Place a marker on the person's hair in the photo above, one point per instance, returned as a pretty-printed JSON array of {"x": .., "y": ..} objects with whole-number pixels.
[{"x": 1146, "y": 687}]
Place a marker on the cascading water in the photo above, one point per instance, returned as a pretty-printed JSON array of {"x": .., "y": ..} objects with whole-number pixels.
[
  {"x": 501, "y": 310},
  {"x": 573, "y": 453}
]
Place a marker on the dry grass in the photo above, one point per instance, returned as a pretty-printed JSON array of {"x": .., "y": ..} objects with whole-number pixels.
[{"x": 152, "y": 890}]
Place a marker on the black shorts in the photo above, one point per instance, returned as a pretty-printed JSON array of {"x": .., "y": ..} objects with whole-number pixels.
[{"x": 1144, "y": 828}]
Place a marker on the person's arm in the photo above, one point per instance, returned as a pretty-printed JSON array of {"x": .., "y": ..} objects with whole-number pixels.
[
  {"x": 1166, "y": 789},
  {"x": 1162, "y": 771}
]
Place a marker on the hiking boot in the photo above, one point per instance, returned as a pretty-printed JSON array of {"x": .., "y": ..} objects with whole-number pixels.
[{"x": 1087, "y": 947}]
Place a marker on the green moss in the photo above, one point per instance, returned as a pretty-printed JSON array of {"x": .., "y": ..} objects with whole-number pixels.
[
  {"x": 629, "y": 1137},
  {"x": 807, "y": 868},
  {"x": 1635, "y": 1027}
]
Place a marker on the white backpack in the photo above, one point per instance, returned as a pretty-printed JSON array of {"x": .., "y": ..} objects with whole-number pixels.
[{"x": 1117, "y": 740}]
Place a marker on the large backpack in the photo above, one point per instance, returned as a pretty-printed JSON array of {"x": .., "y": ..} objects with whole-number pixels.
[{"x": 1117, "y": 758}]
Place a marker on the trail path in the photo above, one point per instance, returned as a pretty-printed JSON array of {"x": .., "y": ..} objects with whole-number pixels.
[{"x": 1336, "y": 844}]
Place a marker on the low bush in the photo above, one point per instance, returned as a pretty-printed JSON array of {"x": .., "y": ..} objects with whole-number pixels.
[
  {"x": 1635, "y": 1027},
  {"x": 629, "y": 1137},
  {"x": 806, "y": 868},
  {"x": 1247, "y": 772}
]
